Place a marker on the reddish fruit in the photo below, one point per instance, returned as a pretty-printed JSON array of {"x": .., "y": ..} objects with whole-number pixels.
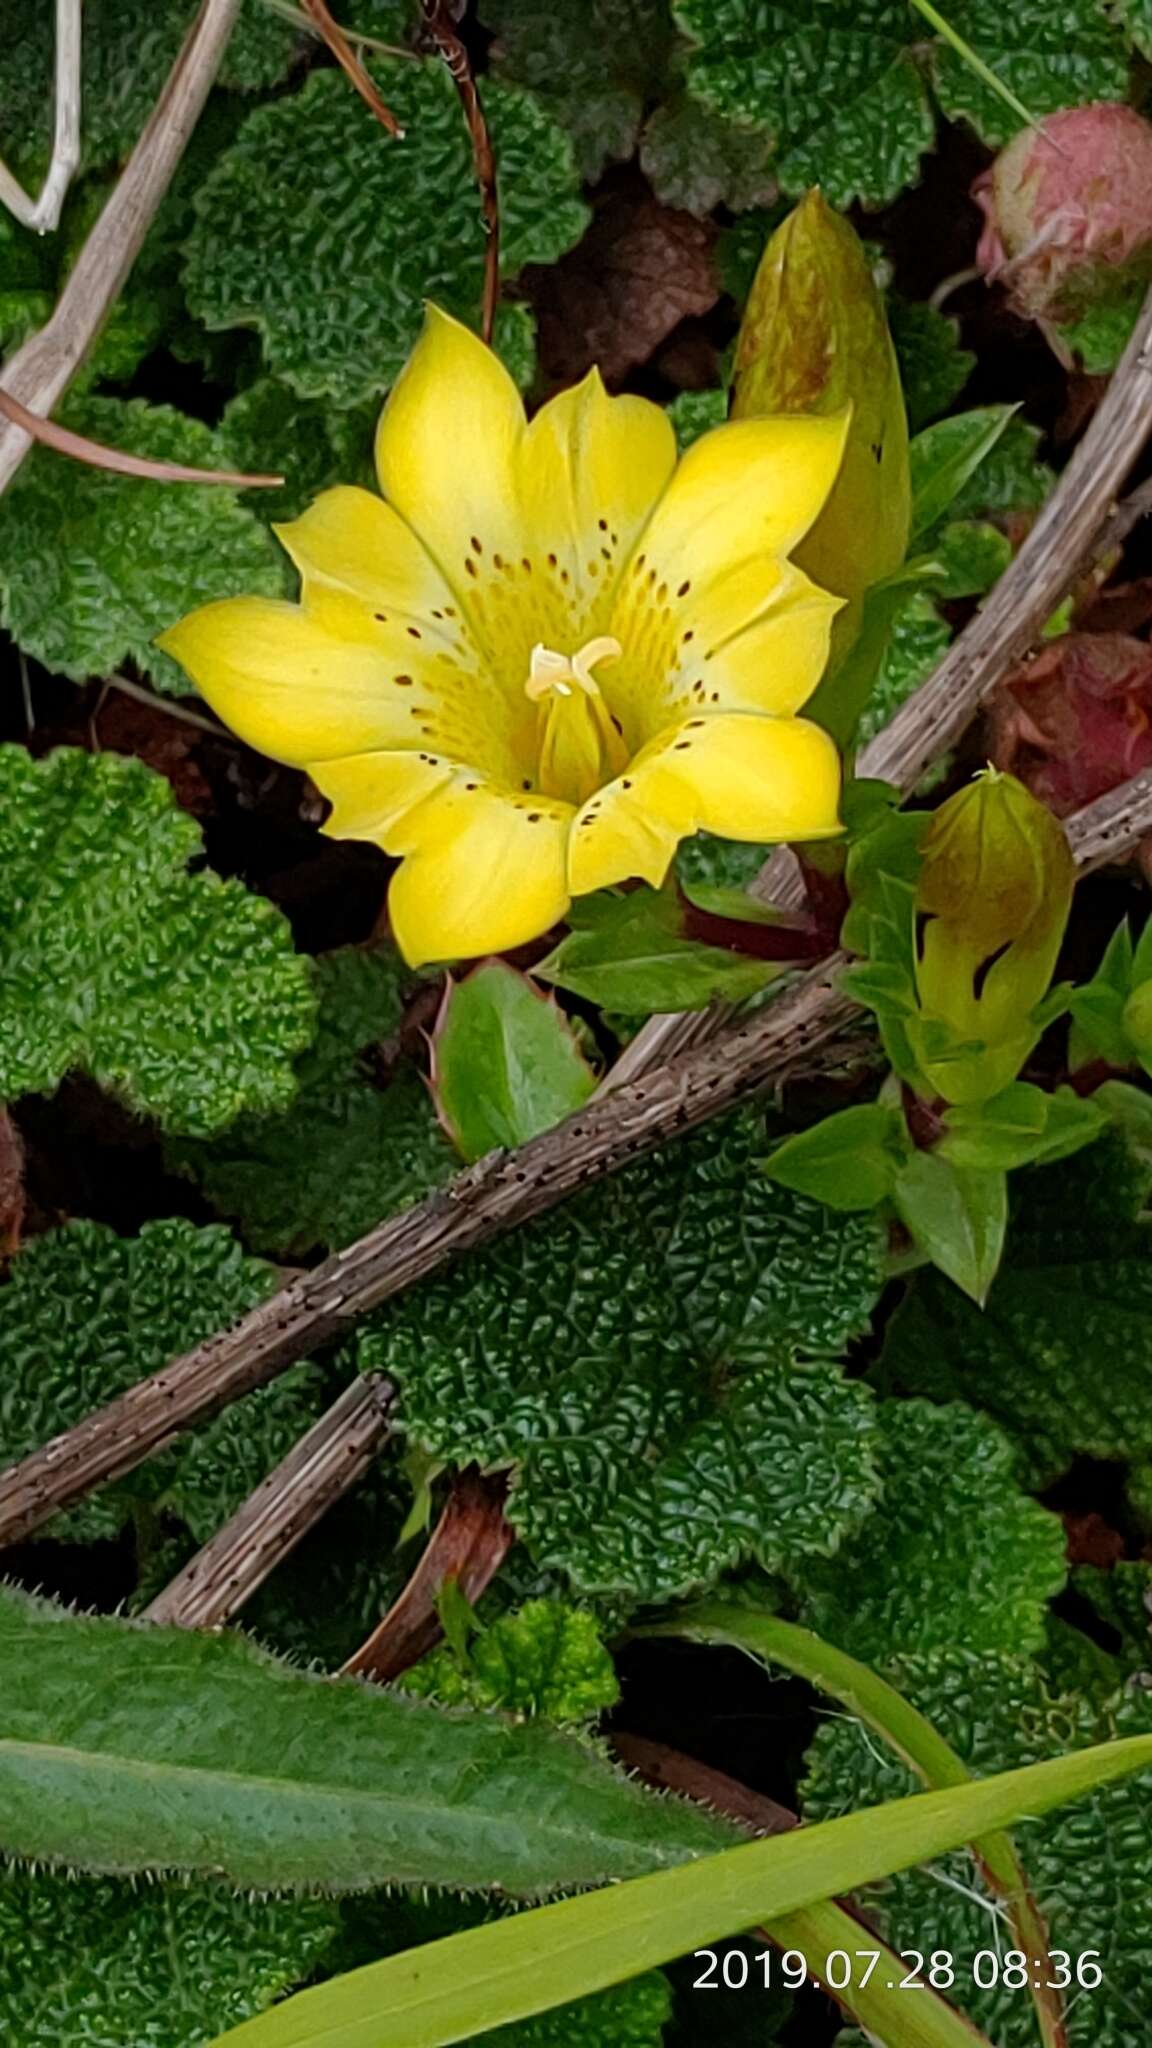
[{"x": 1068, "y": 211}]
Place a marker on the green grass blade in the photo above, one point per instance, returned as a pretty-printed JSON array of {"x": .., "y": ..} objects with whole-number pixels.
[
  {"x": 449, "y": 1990},
  {"x": 975, "y": 63}
]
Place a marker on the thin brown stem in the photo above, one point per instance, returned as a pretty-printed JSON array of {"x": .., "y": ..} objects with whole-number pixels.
[
  {"x": 330, "y": 32},
  {"x": 468, "y": 1545},
  {"x": 330, "y": 1458},
  {"x": 96, "y": 455},
  {"x": 499, "y": 1192},
  {"x": 42, "y": 369},
  {"x": 442, "y": 30}
]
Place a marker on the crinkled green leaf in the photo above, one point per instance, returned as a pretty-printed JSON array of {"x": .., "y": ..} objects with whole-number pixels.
[
  {"x": 124, "y": 1747},
  {"x": 832, "y": 80},
  {"x": 1061, "y": 1354},
  {"x": 1050, "y": 57},
  {"x": 128, "y": 48},
  {"x": 327, "y": 235},
  {"x": 1135, "y": 16},
  {"x": 506, "y": 1062},
  {"x": 85, "y": 1314},
  {"x": 634, "y": 1357},
  {"x": 179, "y": 991},
  {"x": 312, "y": 444},
  {"x": 933, "y": 367},
  {"x": 546, "y": 1661},
  {"x": 1100, "y": 337},
  {"x": 102, "y": 1963},
  {"x": 953, "y": 1552},
  {"x": 973, "y": 555},
  {"x": 693, "y": 157},
  {"x": 93, "y": 566},
  {"x": 595, "y": 66},
  {"x": 694, "y": 413},
  {"x": 1010, "y": 479},
  {"x": 371, "y": 1149},
  {"x": 1090, "y": 1867}
]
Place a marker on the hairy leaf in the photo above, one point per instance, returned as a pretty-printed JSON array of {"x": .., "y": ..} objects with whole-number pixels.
[
  {"x": 179, "y": 991},
  {"x": 594, "y": 67},
  {"x": 126, "y": 1747},
  {"x": 634, "y": 1357},
  {"x": 84, "y": 1314},
  {"x": 1075, "y": 1287},
  {"x": 1089, "y": 1867},
  {"x": 952, "y": 1553},
  {"x": 370, "y": 1149},
  {"x": 506, "y": 1064},
  {"x": 93, "y": 566},
  {"x": 327, "y": 235},
  {"x": 102, "y": 1963}
]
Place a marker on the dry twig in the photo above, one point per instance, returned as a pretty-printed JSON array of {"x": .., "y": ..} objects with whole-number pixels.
[
  {"x": 505, "y": 1189},
  {"x": 43, "y": 214},
  {"x": 44, "y": 366},
  {"x": 330, "y": 1458}
]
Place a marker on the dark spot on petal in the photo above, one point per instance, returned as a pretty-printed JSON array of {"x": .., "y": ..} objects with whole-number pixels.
[
  {"x": 551, "y": 561},
  {"x": 617, "y": 724},
  {"x": 414, "y": 633},
  {"x": 626, "y": 783},
  {"x": 471, "y": 785},
  {"x": 382, "y": 617},
  {"x": 498, "y": 561},
  {"x": 525, "y": 784},
  {"x": 681, "y": 746},
  {"x": 525, "y": 563},
  {"x": 685, "y": 587},
  {"x": 534, "y": 817},
  {"x": 689, "y": 635},
  {"x": 469, "y": 565},
  {"x": 476, "y": 547},
  {"x": 603, "y": 525},
  {"x": 607, "y": 554},
  {"x": 405, "y": 682}
]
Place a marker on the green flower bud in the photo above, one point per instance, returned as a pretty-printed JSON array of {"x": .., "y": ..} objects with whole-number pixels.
[{"x": 992, "y": 903}]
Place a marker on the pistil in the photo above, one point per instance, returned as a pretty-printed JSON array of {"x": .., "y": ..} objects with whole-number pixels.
[{"x": 579, "y": 744}]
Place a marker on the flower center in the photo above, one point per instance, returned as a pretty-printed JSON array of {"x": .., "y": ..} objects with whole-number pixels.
[{"x": 579, "y": 745}]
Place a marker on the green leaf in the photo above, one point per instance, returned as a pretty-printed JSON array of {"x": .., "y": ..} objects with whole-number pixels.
[
  {"x": 1075, "y": 1292},
  {"x": 1135, "y": 16},
  {"x": 1020, "y": 1127},
  {"x": 849, "y": 1160},
  {"x": 410, "y": 224},
  {"x": 634, "y": 1357},
  {"x": 835, "y": 83},
  {"x": 933, "y": 367},
  {"x": 953, "y": 1553},
  {"x": 506, "y": 1064},
  {"x": 947, "y": 456},
  {"x": 138, "y": 1748},
  {"x": 85, "y": 1314},
  {"x": 446, "y": 1990},
  {"x": 178, "y": 990},
  {"x": 1089, "y": 1867},
  {"x": 545, "y": 1660},
  {"x": 957, "y": 1215},
  {"x": 1010, "y": 481},
  {"x": 93, "y": 566},
  {"x": 631, "y": 953},
  {"x": 594, "y": 67},
  {"x": 1050, "y": 58},
  {"x": 1100, "y": 337},
  {"x": 695, "y": 158},
  {"x": 128, "y": 48},
  {"x": 371, "y": 1149},
  {"x": 103, "y": 1963},
  {"x": 311, "y": 443}
]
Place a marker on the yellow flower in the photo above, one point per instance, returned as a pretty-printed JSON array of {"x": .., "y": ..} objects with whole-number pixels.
[{"x": 548, "y": 654}]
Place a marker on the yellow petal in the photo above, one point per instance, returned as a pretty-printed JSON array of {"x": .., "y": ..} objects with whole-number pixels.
[
  {"x": 591, "y": 471},
  {"x": 483, "y": 872},
  {"x": 351, "y": 541},
  {"x": 447, "y": 449},
  {"x": 751, "y": 487},
  {"x": 292, "y": 688},
  {"x": 738, "y": 775},
  {"x": 372, "y": 794}
]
